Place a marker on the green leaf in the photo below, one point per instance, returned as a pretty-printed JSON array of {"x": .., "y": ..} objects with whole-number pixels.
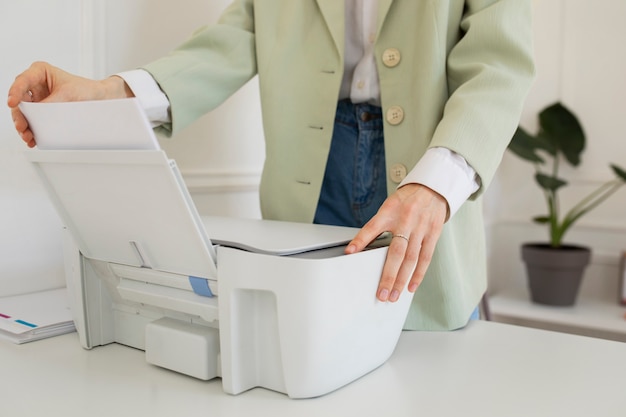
[
  {"x": 549, "y": 183},
  {"x": 619, "y": 172},
  {"x": 524, "y": 145},
  {"x": 546, "y": 143},
  {"x": 561, "y": 127},
  {"x": 541, "y": 219}
]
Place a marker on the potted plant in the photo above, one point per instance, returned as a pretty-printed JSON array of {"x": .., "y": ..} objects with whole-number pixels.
[{"x": 554, "y": 268}]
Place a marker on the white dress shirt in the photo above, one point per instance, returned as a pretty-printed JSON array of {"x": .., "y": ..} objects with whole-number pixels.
[
  {"x": 440, "y": 169},
  {"x": 360, "y": 76}
]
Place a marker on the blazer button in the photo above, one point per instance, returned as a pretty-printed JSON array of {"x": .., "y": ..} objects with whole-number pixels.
[
  {"x": 397, "y": 173},
  {"x": 395, "y": 115},
  {"x": 391, "y": 57}
]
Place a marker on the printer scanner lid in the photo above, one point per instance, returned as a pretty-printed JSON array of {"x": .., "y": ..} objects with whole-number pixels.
[
  {"x": 120, "y": 197},
  {"x": 127, "y": 207}
]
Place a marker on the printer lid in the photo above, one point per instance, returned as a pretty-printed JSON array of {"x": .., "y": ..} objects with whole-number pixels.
[
  {"x": 127, "y": 207},
  {"x": 118, "y": 194}
]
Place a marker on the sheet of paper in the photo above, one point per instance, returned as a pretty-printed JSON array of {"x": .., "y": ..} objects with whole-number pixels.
[
  {"x": 90, "y": 125},
  {"x": 28, "y": 317}
]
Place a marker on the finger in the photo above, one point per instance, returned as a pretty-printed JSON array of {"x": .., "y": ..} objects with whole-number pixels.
[
  {"x": 17, "y": 92},
  {"x": 20, "y": 122},
  {"x": 14, "y": 100},
  {"x": 22, "y": 127},
  {"x": 395, "y": 256},
  {"x": 28, "y": 137},
  {"x": 407, "y": 268},
  {"x": 365, "y": 236},
  {"x": 30, "y": 85},
  {"x": 423, "y": 262}
]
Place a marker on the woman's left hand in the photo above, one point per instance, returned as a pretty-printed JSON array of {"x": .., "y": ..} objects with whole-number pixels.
[{"x": 415, "y": 216}]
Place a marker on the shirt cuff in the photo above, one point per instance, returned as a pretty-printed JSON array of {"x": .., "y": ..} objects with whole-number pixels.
[
  {"x": 446, "y": 173},
  {"x": 152, "y": 100}
]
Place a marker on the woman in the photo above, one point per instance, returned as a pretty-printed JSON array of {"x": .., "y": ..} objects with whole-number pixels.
[{"x": 390, "y": 115}]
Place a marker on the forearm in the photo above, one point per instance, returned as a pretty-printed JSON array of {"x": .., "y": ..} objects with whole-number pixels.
[{"x": 489, "y": 70}]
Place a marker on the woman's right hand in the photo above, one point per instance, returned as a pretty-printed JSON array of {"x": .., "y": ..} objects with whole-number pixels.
[{"x": 47, "y": 83}]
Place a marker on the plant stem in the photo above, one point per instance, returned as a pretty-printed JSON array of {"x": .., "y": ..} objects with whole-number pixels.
[
  {"x": 587, "y": 204},
  {"x": 555, "y": 240},
  {"x": 596, "y": 197},
  {"x": 554, "y": 218}
]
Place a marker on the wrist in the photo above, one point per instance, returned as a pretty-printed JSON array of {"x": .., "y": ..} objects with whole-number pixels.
[{"x": 116, "y": 87}]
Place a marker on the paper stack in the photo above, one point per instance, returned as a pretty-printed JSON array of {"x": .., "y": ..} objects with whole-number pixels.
[{"x": 28, "y": 317}]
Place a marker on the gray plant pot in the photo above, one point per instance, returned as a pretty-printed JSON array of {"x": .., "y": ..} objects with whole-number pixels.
[{"x": 554, "y": 274}]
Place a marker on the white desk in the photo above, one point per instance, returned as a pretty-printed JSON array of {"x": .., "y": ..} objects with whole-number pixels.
[{"x": 487, "y": 369}]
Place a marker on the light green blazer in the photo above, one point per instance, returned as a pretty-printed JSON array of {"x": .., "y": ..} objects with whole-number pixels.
[{"x": 465, "y": 68}]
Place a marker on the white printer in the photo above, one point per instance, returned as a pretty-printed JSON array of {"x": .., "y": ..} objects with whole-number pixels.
[{"x": 258, "y": 303}]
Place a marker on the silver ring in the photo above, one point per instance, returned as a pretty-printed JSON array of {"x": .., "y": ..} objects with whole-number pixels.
[
  {"x": 401, "y": 237},
  {"x": 30, "y": 93}
]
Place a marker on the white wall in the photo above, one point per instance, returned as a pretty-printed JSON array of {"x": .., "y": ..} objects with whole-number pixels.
[
  {"x": 30, "y": 249},
  {"x": 581, "y": 61}
]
